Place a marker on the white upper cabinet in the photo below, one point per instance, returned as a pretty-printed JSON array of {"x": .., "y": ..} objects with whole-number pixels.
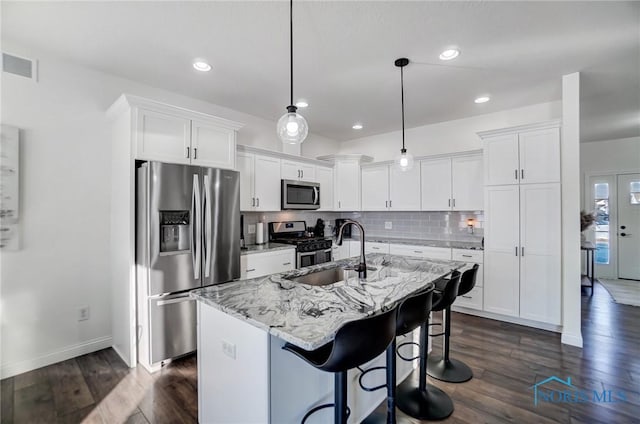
[
  {"x": 346, "y": 185},
  {"x": 467, "y": 180},
  {"x": 324, "y": 177},
  {"x": 384, "y": 187},
  {"x": 452, "y": 183},
  {"x": 404, "y": 189},
  {"x": 174, "y": 135},
  {"x": 540, "y": 156},
  {"x": 375, "y": 188},
  {"x": 436, "y": 184},
  {"x": 212, "y": 146},
  {"x": 259, "y": 182},
  {"x": 522, "y": 155},
  {"x": 291, "y": 170},
  {"x": 163, "y": 137}
]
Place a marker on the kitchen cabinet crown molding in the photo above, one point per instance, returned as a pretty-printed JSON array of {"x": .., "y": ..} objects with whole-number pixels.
[
  {"x": 334, "y": 158},
  {"x": 428, "y": 157},
  {"x": 128, "y": 101},
  {"x": 280, "y": 155},
  {"x": 555, "y": 123}
]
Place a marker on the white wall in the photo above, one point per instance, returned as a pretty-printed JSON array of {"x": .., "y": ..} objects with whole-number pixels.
[
  {"x": 65, "y": 177},
  {"x": 451, "y": 136},
  {"x": 610, "y": 156}
]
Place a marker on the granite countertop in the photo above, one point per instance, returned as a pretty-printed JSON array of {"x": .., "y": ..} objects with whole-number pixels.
[
  {"x": 309, "y": 316},
  {"x": 449, "y": 244},
  {"x": 267, "y": 247}
]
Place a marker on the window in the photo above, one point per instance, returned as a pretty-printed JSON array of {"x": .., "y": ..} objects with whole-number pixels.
[
  {"x": 634, "y": 191},
  {"x": 603, "y": 244}
]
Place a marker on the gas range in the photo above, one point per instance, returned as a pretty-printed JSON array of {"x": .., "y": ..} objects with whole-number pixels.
[{"x": 310, "y": 250}]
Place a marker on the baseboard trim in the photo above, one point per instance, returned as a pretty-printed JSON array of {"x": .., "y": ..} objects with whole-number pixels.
[
  {"x": 572, "y": 339},
  {"x": 505, "y": 318},
  {"x": 19, "y": 367}
]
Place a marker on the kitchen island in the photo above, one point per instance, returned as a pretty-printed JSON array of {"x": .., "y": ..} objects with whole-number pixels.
[{"x": 244, "y": 376}]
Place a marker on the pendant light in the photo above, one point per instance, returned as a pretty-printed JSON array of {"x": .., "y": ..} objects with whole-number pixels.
[
  {"x": 404, "y": 161},
  {"x": 292, "y": 128}
]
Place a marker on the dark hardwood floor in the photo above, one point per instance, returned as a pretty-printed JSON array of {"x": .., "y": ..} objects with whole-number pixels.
[{"x": 506, "y": 359}]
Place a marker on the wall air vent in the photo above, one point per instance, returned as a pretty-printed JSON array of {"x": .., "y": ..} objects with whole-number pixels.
[{"x": 19, "y": 66}]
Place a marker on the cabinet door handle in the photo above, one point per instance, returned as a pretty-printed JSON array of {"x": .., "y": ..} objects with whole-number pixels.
[
  {"x": 253, "y": 201},
  {"x": 386, "y": 203},
  {"x": 417, "y": 251},
  {"x": 339, "y": 206},
  {"x": 298, "y": 173},
  {"x": 251, "y": 270},
  {"x": 522, "y": 251},
  {"x": 516, "y": 250},
  {"x": 454, "y": 203},
  {"x": 195, "y": 153},
  {"x": 449, "y": 202},
  {"x": 522, "y": 174},
  {"x": 187, "y": 153},
  {"x": 375, "y": 248},
  {"x": 257, "y": 202},
  {"x": 390, "y": 204},
  {"x": 302, "y": 173},
  {"x": 516, "y": 174},
  {"x": 287, "y": 263},
  {"x": 466, "y": 297},
  {"x": 467, "y": 256}
]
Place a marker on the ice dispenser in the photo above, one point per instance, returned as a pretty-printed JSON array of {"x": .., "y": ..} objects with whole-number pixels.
[{"x": 174, "y": 231}]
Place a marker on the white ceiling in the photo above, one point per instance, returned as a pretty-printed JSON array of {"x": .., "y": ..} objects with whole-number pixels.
[{"x": 516, "y": 52}]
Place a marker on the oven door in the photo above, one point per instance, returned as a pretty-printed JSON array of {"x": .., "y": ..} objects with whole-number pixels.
[
  {"x": 300, "y": 195},
  {"x": 323, "y": 256},
  {"x": 305, "y": 259}
]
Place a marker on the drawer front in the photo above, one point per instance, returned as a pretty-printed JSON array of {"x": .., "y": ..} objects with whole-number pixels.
[
  {"x": 471, "y": 300},
  {"x": 466, "y": 255},
  {"x": 261, "y": 264},
  {"x": 420, "y": 251},
  {"x": 376, "y": 248}
]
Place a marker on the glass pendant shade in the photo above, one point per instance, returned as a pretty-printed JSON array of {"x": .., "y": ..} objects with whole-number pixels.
[
  {"x": 404, "y": 161},
  {"x": 292, "y": 128}
]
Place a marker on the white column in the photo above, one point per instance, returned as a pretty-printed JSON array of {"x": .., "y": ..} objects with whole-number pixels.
[{"x": 570, "y": 164}]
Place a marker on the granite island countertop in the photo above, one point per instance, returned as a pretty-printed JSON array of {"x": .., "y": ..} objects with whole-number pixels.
[{"x": 309, "y": 316}]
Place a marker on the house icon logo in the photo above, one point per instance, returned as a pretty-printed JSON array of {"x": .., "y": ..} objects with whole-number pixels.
[{"x": 536, "y": 387}]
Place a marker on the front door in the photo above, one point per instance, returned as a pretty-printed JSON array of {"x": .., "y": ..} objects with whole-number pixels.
[{"x": 629, "y": 226}]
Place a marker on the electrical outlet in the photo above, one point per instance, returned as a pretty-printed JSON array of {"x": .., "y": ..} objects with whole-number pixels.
[
  {"x": 83, "y": 313},
  {"x": 251, "y": 228},
  {"x": 229, "y": 349},
  {"x": 388, "y": 225}
]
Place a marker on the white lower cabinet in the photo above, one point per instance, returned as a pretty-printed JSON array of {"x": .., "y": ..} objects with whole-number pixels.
[
  {"x": 475, "y": 298},
  {"x": 255, "y": 265}
]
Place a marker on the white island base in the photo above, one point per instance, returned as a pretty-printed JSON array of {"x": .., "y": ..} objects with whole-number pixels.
[{"x": 245, "y": 377}]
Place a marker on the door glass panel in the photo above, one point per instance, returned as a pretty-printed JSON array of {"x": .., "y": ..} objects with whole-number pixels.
[
  {"x": 603, "y": 244},
  {"x": 634, "y": 192}
]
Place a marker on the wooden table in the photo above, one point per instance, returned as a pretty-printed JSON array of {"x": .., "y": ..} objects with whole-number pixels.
[{"x": 590, "y": 250}]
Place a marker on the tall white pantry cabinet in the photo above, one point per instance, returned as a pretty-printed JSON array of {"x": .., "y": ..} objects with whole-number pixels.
[{"x": 522, "y": 254}]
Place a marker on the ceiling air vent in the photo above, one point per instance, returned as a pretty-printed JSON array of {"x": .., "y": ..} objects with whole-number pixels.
[{"x": 19, "y": 66}]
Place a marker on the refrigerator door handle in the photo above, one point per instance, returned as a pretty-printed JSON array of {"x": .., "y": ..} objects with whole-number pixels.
[
  {"x": 196, "y": 235},
  {"x": 207, "y": 226},
  {"x": 179, "y": 299}
]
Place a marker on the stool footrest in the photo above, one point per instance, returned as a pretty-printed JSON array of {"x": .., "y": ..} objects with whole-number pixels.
[
  {"x": 365, "y": 372},
  {"x": 403, "y": 357},
  {"x": 319, "y": 407}
]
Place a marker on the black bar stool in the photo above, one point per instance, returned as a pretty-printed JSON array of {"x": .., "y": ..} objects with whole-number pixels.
[
  {"x": 412, "y": 312},
  {"x": 427, "y": 402},
  {"x": 445, "y": 368},
  {"x": 355, "y": 343}
]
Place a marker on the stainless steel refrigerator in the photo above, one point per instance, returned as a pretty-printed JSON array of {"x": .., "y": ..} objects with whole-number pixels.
[{"x": 187, "y": 236}]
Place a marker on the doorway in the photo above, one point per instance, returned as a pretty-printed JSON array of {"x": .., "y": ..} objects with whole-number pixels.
[{"x": 615, "y": 200}]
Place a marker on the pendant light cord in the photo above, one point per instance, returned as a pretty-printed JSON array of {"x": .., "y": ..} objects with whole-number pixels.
[
  {"x": 291, "y": 46},
  {"x": 402, "y": 97}
]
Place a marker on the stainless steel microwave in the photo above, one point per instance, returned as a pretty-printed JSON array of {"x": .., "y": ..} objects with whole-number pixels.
[{"x": 300, "y": 195}]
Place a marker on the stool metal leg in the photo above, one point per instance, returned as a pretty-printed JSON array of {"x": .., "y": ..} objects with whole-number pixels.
[
  {"x": 445, "y": 368},
  {"x": 425, "y": 402},
  {"x": 340, "y": 407}
]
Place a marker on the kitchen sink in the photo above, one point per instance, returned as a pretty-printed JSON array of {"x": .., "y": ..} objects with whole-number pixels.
[{"x": 322, "y": 278}]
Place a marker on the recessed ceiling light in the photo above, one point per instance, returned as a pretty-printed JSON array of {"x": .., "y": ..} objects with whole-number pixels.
[
  {"x": 482, "y": 99},
  {"x": 357, "y": 126},
  {"x": 449, "y": 54},
  {"x": 201, "y": 66},
  {"x": 301, "y": 103}
]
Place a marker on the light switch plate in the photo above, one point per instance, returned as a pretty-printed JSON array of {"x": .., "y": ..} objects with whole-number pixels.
[
  {"x": 229, "y": 349},
  {"x": 388, "y": 225}
]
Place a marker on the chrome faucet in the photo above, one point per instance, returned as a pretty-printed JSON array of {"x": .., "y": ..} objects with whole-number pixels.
[{"x": 362, "y": 266}]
